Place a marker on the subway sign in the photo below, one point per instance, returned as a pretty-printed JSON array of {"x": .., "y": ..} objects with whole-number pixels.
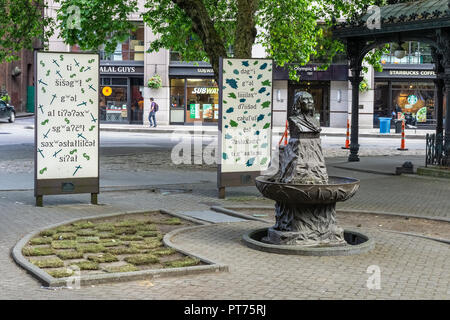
[{"x": 205, "y": 90}]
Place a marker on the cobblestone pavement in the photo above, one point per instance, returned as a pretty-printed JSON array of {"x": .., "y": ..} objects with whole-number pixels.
[{"x": 411, "y": 267}]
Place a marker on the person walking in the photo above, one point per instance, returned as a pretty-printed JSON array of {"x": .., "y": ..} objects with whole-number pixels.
[{"x": 152, "y": 115}]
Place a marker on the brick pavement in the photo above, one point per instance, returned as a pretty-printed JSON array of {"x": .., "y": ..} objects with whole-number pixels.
[{"x": 411, "y": 268}]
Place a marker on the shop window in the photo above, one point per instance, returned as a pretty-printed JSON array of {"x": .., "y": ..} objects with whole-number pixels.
[
  {"x": 202, "y": 100},
  {"x": 132, "y": 49}
]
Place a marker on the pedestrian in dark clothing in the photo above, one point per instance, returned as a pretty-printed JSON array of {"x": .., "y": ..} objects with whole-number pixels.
[{"x": 152, "y": 115}]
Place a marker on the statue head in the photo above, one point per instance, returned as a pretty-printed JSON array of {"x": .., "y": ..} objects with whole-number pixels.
[{"x": 303, "y": 103}]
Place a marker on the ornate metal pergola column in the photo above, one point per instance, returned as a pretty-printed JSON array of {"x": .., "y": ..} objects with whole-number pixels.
[{"x": 355, "y": 80}]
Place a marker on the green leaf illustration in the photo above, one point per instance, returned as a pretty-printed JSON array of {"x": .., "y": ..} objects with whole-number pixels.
[
  {"x": 265, "y": 104},
  {"x": 267, "y": 125},
  {"x": 233, "y": 123}
]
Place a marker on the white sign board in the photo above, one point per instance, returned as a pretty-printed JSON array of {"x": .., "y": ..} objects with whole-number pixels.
[
  {"x": 67, "y": 115},
  {"x": 246, "y": 115}
]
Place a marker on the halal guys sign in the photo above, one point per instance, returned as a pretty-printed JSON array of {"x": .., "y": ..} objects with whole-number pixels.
[{"x": 67, "y": 115}]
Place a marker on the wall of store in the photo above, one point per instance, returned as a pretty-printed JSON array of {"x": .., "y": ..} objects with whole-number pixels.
[
  {"x": 339, "y": 108},
  {"x": 280, "y": 105},
  {"x": 159, "y": 62}
]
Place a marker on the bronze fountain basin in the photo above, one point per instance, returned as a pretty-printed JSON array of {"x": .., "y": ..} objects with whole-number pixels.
[{"x": 337, "y": 189}]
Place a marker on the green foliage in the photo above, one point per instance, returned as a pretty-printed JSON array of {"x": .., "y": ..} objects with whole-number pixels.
[
  {"x": 102, "y": 23},
  {"x": 21, "y": 23}
]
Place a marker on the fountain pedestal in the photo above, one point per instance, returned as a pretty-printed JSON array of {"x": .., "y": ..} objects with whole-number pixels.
[{"x": 305, "y": 213}]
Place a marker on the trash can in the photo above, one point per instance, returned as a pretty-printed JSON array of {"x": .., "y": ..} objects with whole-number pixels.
[
  {"x": 385, "y": 125},
  {"x": 398, "y": 126}
]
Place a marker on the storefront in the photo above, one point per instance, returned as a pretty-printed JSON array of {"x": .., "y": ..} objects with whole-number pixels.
[
  {"x": 194, "y": 95},
  {"x": 406, "y": 91},
  {"x": 121, "y": 93},
  {"x": 317, "y": 82}
]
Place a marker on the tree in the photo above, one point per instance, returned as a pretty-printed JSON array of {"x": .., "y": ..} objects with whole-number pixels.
[
  {"x": 206, "y": 30},
  {"x": 22, "y": 24}
]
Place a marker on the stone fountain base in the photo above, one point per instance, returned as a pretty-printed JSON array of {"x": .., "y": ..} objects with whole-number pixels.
[
  {"x": 306, "y": 225},
  {"x": 355, "y": 243}
]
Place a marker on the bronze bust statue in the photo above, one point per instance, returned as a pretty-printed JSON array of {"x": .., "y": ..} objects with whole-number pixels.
[
  {"x": 301, "y": 116},
  {"x": 302, "y": 161}
]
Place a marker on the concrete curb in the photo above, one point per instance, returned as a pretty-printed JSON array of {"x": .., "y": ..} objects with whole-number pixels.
[
  {"x": 364, "y": 247},
  {"x": 214, "y": 133},
  {"x": 227, "y": 210},
  {"x": 50, "y": 281},
  {"x": 237, "y": 214},
  {"x": 406, "y": 215}
]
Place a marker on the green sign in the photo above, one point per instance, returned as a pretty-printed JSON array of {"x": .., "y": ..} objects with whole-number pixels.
[
  {"x": 421, "y": 115},
  {"x": 412, "y": 99}
]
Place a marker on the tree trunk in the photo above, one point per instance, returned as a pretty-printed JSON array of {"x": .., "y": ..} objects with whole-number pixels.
[
  {"x": 245, "y": 28},
  {"x": 203, "y": 26}
]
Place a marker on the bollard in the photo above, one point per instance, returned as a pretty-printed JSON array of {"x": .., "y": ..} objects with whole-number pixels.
[
  {"x": 347, "y": 138},
  {"x": 285, "y": 136},
  {"x": 402, "y": 143}
]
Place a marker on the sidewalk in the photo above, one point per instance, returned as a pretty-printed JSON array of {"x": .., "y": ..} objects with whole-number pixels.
[{"x": 212, "y": 130}]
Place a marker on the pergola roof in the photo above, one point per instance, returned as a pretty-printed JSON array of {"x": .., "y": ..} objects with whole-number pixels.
[{"x": 410, "y": 16}]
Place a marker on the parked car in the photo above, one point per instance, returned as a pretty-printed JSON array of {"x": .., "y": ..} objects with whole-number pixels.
[{"x": 7, "y": 111}]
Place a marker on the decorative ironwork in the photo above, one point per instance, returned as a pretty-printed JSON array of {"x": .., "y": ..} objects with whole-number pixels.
[{"x": 435, "y": 151}]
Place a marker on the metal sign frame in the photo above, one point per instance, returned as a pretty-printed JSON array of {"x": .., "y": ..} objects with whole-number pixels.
[
  {"x": 66, "y": 185},
  {"x": 244, "y": 178}
]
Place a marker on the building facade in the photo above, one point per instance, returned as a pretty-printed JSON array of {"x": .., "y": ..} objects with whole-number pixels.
[{"x": 189, "y": 92}]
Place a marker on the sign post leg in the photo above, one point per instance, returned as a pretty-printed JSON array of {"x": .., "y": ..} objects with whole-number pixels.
[
  {"x": 94, "y": 198},
  {"x": 222, "y": 193},
  {"x": 39, "y": 201}
]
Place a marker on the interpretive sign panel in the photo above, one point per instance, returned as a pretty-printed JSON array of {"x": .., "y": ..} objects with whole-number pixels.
[
  {"x": 245, "y": 120},
  {"x": 66, "y": 127}
]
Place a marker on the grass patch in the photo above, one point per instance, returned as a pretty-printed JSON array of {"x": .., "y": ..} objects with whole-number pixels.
[
  {"x": 91, "y": 248},
  {"x": 127, "y": 223},
  {"x": 48, "y": 263},
  {"x": 47, "y": 233},
  {"x": 43, "y": 251},
  {"x": 171, "y": 221},
  {"x": 88, "y": 240},
  {"x": 87, "y": 265},
  {"x": 41, "y": 240},
  {"x": 110, "y": 242},
  {"x": 164, "y": 252},
  {"x": 64, "y": 244},
  {"x": 69, "y": 254},
  {"x": 106, "y": 235},
  {"x": 83, "y": 224},
  {"x": 146, "y": 227},
  {"x": 125, "y": 268},
  {"x": 103, "y": 258},
  {"x": 186, "y": 262},
  {"x": 131, "y": 238},
  {"x": 125, "y": 230},
  {"x": 147, "y": 234},
  {"x": 123, "y": 250},
  {"x": 64, "y": 229},
  {"x": 104, "y": 227},
  {"x": 64, "y": 236},
  {"x": 60, "y": 273},
  {"x": 86, "y": 233},
  {"x": 147, "y": 245},
  {"x": 141, "y": 259}
]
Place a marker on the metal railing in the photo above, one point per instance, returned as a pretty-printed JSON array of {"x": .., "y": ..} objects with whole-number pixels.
[{"x": 435, "y": 150}]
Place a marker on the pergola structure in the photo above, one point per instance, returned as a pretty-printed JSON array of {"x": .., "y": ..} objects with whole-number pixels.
[{"x": 426, "y": 21}]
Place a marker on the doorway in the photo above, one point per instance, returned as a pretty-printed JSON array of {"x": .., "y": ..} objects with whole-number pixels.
[{"x": 320, "y": 90}]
